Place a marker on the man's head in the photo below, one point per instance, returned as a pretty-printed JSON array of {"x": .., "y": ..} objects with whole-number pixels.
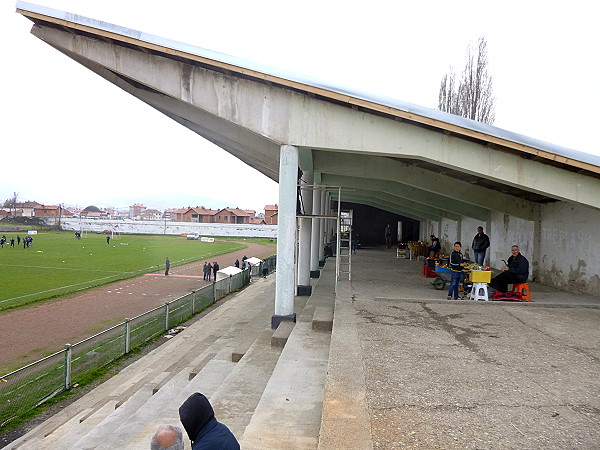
[
  {"x": 167, "y": 437},
  {"x": 514, "y": 250},
  {"x": 431, "y": 237},
  {"x": 457, "y": 246},
  {"x": 480, "y": 230}
]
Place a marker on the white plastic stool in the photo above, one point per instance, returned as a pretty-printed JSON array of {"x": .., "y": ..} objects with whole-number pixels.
[{"x": 479, "y": 292}]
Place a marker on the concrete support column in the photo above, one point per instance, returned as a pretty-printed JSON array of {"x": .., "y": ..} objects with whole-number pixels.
[
  {"x": 322, "y": 228},
  {"x": 286, "y": 236},
  {"x": 304, "y": 236},
  {"x": 315, "y": 239}
]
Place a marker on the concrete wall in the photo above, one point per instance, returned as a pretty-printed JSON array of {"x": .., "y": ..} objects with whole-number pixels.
[
  {"x": 507, "y": 231},
  {"x": 468, "y": 230},
  {"x": 448, "y": 235},
  {"x": 569, "y": 250},
  {"x": 168, "y": 227}
]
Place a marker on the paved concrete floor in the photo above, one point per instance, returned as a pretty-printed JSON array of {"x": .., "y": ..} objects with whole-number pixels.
[
  {"x": 465, "y": 374},
  {"x": 409, "y": 369}
]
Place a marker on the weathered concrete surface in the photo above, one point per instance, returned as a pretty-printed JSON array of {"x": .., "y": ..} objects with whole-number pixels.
[
  {"x": 569, "y": 250},
  {"x": 406, "y": 369},
  {"x": 346, "y": 420},
  {"x": 446, "y": 374}
]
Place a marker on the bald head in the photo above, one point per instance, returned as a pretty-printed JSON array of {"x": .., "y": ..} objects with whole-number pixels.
[{"x": 167, "y": 437}]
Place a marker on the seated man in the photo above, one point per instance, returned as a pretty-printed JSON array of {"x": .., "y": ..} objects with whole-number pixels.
[
  {"x": 435, "y": 247},
  {"x": 205, "y": 432},
  {"x": 516, "y": 270}
]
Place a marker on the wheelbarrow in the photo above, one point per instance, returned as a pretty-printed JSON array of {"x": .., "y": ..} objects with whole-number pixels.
[{"x": 444, "y": 276}]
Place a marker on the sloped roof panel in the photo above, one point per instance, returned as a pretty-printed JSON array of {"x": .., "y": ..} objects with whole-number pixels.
[{"x": 407, "y": 107}]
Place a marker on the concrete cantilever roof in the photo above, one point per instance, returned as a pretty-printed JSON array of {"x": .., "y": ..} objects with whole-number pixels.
[
  {"x": 445, "y": 121},
  {"x": 454, "y": 165}
]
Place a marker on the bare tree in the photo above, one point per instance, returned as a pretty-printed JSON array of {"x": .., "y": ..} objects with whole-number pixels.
[
  {"x": 11, "y": 203},
  {"x": 473, "y": 97}
]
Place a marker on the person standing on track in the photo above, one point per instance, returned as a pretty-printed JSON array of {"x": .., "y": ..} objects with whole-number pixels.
[
  {"x": 215, "y": 270},
  {"x": 167, "y": 266}
]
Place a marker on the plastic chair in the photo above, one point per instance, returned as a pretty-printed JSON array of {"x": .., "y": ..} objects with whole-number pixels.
[
  {"x": 523, "y": 289},
  {"x": 479, "y": 291}
]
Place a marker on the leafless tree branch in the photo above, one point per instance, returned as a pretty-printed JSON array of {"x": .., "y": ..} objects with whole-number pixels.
[{"x": 473, "y": 96}]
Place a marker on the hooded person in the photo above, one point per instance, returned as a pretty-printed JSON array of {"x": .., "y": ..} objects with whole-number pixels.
[{"x": 198, "y": 418}]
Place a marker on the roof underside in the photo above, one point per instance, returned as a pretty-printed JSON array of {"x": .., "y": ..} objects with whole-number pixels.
[{"x": 433, "y": 120}]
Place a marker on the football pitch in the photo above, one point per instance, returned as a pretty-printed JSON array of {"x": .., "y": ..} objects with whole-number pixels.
[{"x": 58, "y": 264}]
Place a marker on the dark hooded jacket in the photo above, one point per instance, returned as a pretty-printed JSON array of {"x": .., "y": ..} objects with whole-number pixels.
[{"x": 198, "y": 418}]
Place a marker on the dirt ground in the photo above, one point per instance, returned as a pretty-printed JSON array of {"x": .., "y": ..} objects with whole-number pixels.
[{"x": 31, "y": 333}]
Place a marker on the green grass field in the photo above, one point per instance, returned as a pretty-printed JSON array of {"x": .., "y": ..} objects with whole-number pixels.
[{"x": 57, "y": 264}]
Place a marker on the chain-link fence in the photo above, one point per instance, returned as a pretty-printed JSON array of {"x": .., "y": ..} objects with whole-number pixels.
[{"x": 25, "y": 388}]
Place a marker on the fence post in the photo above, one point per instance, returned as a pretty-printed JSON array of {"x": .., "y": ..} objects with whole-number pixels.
[
  {"x": 230, "y": 276},
  {"x": 67, "y": 366},
  {"x": 167, "y": 316},
  {"x": 193, "y": 302},
  {"x": 127, "y": 336},
  {"x": 214, "y": 291}
]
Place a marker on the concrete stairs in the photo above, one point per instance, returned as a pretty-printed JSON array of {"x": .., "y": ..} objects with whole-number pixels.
[
  {"x": 270, "y": 396},
  {"x": 288, "y": 415}
]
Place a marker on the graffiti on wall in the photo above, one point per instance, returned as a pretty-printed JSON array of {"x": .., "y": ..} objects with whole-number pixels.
[{"x": 570, "y": 241}]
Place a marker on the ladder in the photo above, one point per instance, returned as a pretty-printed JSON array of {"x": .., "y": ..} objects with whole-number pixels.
[{"x": 344, "y": 244}]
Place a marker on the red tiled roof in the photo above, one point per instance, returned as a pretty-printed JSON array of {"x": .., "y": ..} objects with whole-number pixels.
[{"x": 235, "y": 211}]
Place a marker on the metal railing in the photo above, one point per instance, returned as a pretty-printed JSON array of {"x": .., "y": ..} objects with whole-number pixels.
[{"x": 28, "y": 387}]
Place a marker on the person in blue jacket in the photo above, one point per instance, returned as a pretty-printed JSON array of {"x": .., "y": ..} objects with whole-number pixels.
[
  {"x": 198, "y": 418},
  {"x": 456, "y": 263}
]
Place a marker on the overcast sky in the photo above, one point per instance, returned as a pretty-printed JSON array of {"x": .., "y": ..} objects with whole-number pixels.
[{"x": 68, "y": 136}]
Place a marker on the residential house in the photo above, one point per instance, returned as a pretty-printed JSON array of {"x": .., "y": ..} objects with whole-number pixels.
[
  {"x": 94, "y": 214},
  {"x": 28, "y": 208},
  {"x": 199, "y": 214},
  {"x": 271, "y": 212},
  {"x": 47, "y": 211},
  {"x": 7, "y": 212},
  {"x": 151, "y": 214},
  {"x": 257, "y": 221},
  {"x": 232, "y": 215}
]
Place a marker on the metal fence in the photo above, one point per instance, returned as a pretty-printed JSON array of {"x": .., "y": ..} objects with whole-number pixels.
[{"x": 30, "y": 386}]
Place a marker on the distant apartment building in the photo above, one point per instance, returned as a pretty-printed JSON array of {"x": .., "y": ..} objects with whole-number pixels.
[
  {"x": 136, "y": 210},
  {"x": 170, "y": 214}
]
